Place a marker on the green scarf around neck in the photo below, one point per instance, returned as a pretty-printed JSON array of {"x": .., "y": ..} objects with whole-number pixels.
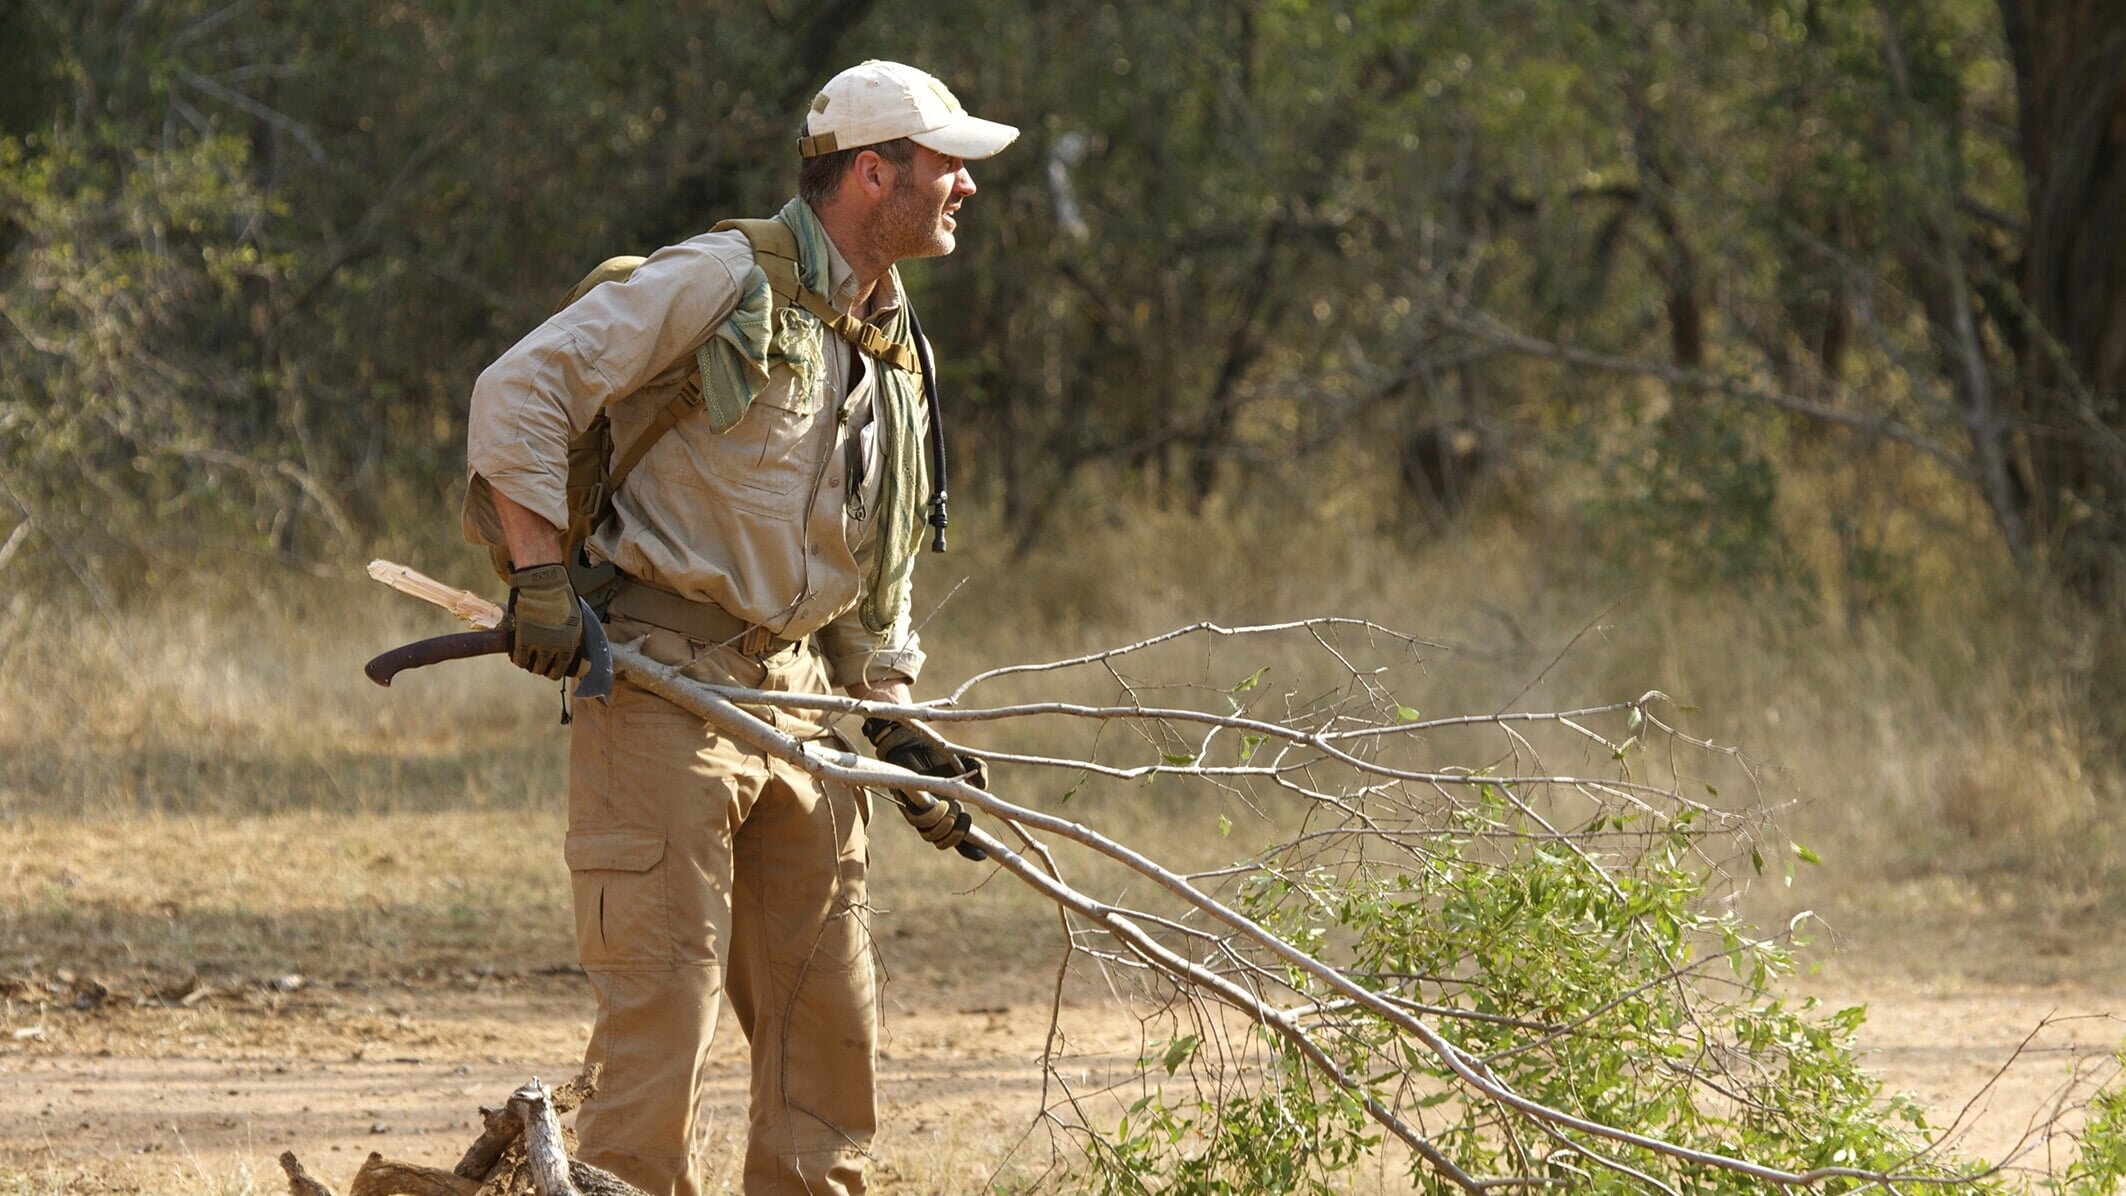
[{"x": 735, "y": 362}]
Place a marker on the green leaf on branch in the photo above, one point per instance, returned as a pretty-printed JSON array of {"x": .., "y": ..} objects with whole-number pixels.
[{"x": 1179, "y": 1051}]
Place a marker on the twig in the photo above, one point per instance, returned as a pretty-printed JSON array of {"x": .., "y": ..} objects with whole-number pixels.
[
  {"x": 15, "y": 540},
  {"x": 953, "y": 699}
]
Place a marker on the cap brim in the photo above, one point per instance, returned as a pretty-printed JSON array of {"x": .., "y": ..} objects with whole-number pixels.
[{"x": 968, "y": 137}]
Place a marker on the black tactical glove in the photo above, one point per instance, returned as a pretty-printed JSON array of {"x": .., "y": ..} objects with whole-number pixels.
[
  {"x": 548, "y": 622},
  {"x": 942, "y": 821}
]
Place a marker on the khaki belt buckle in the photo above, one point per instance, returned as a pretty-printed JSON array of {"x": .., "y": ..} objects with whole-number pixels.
[{"x": 755, "y": 641}]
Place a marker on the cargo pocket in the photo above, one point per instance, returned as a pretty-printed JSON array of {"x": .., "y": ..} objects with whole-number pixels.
[{"x": 623, "y": 918}]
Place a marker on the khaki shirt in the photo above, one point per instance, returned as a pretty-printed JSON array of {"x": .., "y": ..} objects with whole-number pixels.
[{"x": 755, "y": 520}]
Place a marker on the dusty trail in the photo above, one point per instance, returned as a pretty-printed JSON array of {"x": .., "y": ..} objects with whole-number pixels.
[
  {"x": 1945, "y": 1044},
  {"x": 202, "y": 1099}
]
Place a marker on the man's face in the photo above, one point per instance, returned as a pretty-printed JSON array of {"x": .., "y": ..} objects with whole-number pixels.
[{"x": 918, "y": 216}]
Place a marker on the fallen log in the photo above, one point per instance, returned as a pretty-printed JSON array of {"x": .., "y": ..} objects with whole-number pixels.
[
  {"x": 380, "y": 1176},
  {"x": 522, "y": 1151}
]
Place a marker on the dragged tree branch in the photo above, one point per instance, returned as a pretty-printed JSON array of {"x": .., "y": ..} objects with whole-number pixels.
[{"x": 1247, "y": 957}]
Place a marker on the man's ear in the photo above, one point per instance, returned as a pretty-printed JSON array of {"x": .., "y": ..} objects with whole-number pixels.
[{"x": 873, "y": 173}]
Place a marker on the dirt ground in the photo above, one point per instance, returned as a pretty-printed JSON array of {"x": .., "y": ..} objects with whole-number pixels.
[{"x": 202, "y": 1098}]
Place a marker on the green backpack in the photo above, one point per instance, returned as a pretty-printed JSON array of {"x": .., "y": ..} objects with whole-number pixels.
[{"x": 595, "y": 474}]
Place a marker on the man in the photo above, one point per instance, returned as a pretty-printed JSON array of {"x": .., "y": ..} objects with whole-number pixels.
[{"x": 764, "y": 540}]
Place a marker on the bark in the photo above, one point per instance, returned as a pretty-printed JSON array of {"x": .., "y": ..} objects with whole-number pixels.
[
  {"x": 594, "y": 1181},
  {"x": 299, "y": 1181},
  {"x": 542, "y": 1136},
  {"x": 382, "y": 1177},
  {"x": 504, "y": 1127},
  {"x": 552, "y": 1173}
]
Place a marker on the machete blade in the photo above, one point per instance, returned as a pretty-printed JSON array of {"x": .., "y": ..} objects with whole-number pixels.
[{"x": 597, "y": 657}]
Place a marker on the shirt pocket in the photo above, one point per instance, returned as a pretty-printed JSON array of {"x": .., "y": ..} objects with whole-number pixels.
[
  {"x": 766, "y": 462},
  {"x": 623, "y": 918}
]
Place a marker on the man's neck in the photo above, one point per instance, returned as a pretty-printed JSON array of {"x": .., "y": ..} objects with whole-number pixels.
[{"x": 849, "y": 242}]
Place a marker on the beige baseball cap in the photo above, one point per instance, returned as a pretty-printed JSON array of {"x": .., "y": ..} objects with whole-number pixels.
[{"x": 880, "y": 101}]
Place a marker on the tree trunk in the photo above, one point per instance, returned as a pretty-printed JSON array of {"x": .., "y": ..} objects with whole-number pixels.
[{"x": 2070, "y": 67}]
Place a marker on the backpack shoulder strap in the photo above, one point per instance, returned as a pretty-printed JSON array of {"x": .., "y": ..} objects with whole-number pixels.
[
  {"x": 688, "y": 398},
  {"x": 775, "y": 252},
  {"x": 775, "y": 249}
]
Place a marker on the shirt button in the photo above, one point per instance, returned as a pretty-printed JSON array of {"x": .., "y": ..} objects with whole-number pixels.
[{"x": 835, "y": 482}]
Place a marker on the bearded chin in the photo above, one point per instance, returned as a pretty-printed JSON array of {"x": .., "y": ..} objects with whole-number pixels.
[
  {"x": 931, "y": 239},
  {"x": 905, "y": 227}
]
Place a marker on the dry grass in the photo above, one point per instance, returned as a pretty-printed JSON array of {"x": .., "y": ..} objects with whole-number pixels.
[
  {"x": 322, "y": 894},
  {"x": 216, "y": 786}
]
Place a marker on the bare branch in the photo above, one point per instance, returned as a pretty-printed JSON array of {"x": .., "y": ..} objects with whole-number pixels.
[
  {"x": 278, "y": 120},
  {"x": 1490, "y": 331},
  {"x": 1194, "y": 628},
  {"x": 16, "y": 537}
]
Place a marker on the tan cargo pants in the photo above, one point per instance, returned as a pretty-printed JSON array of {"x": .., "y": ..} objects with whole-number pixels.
[{"x": 704, "y": 871}]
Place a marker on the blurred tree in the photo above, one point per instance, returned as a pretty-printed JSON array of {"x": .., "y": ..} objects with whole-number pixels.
[
  {"x": 1739, "y": 279},
  {"x": 135, "y": 384},
  {"x": 2066, "y": 310}
]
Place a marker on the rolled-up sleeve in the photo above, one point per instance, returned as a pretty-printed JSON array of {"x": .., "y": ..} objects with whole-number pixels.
[
  {"x": 525, "y": 409},
  {"x": 533, "y": 400},
  {"x": 856, "y": 656}
]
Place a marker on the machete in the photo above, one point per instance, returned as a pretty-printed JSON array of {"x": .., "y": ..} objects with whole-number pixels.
[
  {"x": 595, "y": 656},
  {"x": 493, "y": 637}
]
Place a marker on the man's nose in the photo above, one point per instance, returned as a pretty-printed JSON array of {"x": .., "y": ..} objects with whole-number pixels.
[{"x": 963, "y": 182}]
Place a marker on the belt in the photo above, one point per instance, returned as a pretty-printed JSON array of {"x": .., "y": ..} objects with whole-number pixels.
[{"x": 702, "y": 622}]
